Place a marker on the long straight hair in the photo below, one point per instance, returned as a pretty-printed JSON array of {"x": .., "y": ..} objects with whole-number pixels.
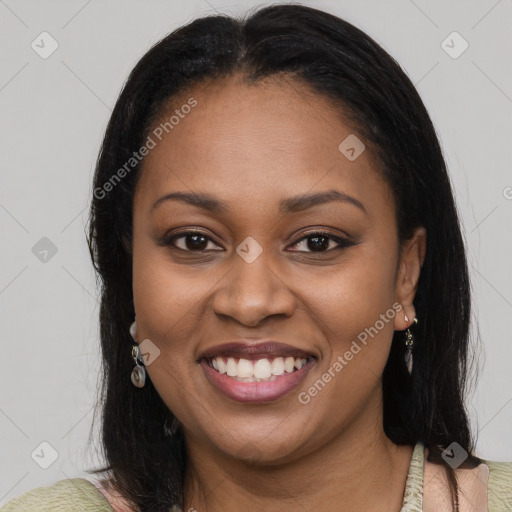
[{"x": 146, "y": 459}]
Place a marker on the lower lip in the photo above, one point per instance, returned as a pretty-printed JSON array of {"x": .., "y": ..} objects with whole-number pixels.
[{"x": 256, "y": 392}]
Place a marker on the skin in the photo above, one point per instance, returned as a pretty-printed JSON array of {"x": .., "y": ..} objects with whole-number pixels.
[{"x": 252, "y": 146}]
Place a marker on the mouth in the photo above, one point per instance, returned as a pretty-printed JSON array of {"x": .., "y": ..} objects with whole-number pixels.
[
  {"x": 265, "y": 369},
  {"x": 256, "y": 379},
  {"x": 245, "y": 371}
]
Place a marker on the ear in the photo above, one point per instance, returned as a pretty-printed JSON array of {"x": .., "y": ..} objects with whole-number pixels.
[{"x": 411, "y": 260}]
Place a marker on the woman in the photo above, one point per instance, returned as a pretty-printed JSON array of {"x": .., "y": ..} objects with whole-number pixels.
[{"x": 285, "y": 295}]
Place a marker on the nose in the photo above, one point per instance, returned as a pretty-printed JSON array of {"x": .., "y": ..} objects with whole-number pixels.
[{"x": 253, "y": 291}]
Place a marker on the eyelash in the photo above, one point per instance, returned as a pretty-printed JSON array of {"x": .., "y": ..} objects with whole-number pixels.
[{"x": 343, "y": 242}]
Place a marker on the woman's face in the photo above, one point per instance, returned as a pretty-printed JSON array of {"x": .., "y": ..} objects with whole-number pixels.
[{"x": 253, "y": 275}]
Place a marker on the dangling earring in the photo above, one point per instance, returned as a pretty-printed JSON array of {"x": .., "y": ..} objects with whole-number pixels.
[
  {"x": 409, "y": 341},
  {"x": 139, "y": 372}
]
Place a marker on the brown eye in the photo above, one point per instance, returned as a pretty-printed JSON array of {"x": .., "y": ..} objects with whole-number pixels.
[
  {"x": 319, "y": 242},
  {"x": 192, "y": 241}
]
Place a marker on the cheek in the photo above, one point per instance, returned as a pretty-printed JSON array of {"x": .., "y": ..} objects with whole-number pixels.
[
  {"x": 354, "y": 296},
  {"x": 355, "y": 310},
  {"x": 168, "y": 307},
  {"x": 356, "y": 316}
]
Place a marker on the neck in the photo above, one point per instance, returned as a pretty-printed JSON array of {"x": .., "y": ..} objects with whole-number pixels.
[{"x": 359, "y": 469}]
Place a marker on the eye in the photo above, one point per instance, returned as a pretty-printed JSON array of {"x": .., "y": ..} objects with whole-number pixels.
[
  {"x": 194, "y": 241},
  {"x": 320, "y": 240},
  {"x": 316, "y": 242}
]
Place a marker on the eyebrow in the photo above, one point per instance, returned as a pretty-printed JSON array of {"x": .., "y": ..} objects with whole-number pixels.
[{"x": 286, "y": 206}]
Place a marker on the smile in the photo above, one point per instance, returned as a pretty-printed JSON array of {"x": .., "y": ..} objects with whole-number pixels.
[{"x": 257, "y": 380}]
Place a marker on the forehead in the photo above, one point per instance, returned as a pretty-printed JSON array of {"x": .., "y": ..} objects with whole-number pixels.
[{"x": 260, "y": 141}]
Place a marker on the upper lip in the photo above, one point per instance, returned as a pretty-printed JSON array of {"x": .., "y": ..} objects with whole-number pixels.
[{"x": 247, "y": 350}]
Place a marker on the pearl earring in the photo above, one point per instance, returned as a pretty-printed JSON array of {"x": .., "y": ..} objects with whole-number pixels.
[{"x": 138, "y": 375}]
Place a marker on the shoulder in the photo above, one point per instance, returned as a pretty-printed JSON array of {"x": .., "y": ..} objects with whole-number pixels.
[
  {"x": 487, "y": 486},
  {"x": 499, "y": 485},
  {"x": 69, "y": 495}
]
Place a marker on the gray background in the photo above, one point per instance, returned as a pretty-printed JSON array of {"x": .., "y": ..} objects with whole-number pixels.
[{"x": 53, "y": 115}]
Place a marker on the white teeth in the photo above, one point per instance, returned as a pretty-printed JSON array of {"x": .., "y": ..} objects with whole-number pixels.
[
  {"x": 221, "y": 364},
  {"x": 262, "y": 369},
  {"x": 231, "y": 367},
  {"x": 289, "y": 364},
  {"x": 277, "y": 366},
  {"x": 246, "y": 370},
  {"x": 299, "y": 363}
]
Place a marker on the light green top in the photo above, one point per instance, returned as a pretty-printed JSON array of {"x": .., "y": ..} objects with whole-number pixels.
[{"x": 81, "y": 495}]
